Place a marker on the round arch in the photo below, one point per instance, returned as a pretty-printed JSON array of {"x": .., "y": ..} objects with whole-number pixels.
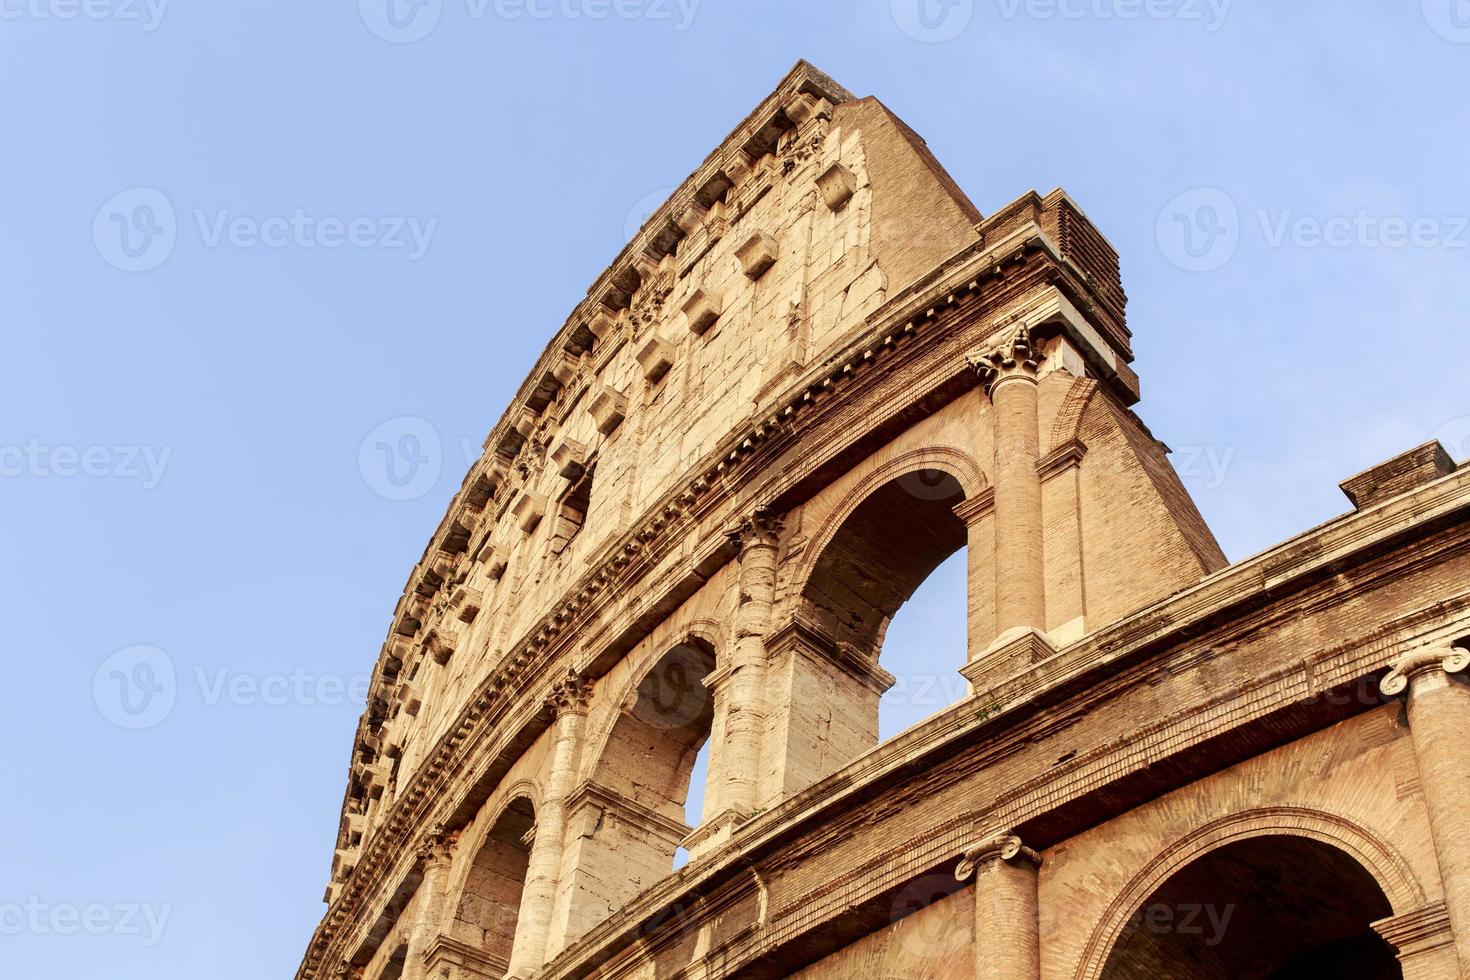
[
  {"x": 883, "y": 539},
  {"x": 956, "y": 463},
  {"x": 1387, "y": 869}
]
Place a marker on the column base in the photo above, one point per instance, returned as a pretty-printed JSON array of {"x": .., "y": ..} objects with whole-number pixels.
[
  {"x": 1015, "y": 650},
  {"x": 714, "y": 833}
]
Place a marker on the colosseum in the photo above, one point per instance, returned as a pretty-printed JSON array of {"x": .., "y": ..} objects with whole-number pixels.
[{"x": 814, "y": 374}]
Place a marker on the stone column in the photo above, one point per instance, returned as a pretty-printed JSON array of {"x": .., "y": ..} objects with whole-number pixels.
[
  {"x": 1439, "y": 724},
  {"x": 1007, "y": 919},
  {"x": 436, "y": 855},
  {"x": 741, "y": 681},
  {"x": 1009, "y": 376},
  {"x": 569, "y": 699}
]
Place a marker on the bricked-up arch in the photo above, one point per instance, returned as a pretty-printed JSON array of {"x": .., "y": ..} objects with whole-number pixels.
[
  {"x": 488, "y": 907},
  {"x": 882, "y": 552},
  {"x": 1281, "y": 906}
]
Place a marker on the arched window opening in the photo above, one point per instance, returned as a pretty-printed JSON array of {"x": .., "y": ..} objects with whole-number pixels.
[
  {"x": 1277, "y": 907},
  {"x": 881, "y": 554},
  {"x": 649, "y": 761},
  {"x": 902, "y": 536},
  {"x": 490, "y": 904}
]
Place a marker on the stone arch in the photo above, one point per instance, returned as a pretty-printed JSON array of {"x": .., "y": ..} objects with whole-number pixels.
[
  {"x": 884, "y": 537},
  {"x": 488, "y": 901},
  {"x": 627, "y": 818},
  {"x": 663, "y": 715},
  {"x": 1363, "y": 849}
]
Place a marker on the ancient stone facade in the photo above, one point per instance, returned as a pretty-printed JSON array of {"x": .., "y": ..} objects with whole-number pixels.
[{"x": 814, "y": 374}]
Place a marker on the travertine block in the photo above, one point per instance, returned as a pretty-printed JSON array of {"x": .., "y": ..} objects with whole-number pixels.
[{"x": 701, "y": 310}]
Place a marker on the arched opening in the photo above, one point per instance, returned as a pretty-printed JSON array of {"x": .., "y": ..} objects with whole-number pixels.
[
  {"x": 649, "y": 759},
  {"x": 893, "y": 581},
  {"x": 881, "y": 554},
  {"x": 1276, "y": 907},
  {"x": 393, "y": 969},
  {"x": 490, "y": 904}
]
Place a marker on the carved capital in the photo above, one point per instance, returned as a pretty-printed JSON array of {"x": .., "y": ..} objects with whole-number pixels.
[
  {"x": 436, "y": 850},
  {"x": 1001, "y": 847},
  {"x": 1018, "y": 357},
  {"x": 1454, "y": 661},
  {"x": 763, "y": 527},
  {"x": 570, "y": 694}
]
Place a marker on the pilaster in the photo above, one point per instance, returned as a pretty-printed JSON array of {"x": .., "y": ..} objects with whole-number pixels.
[{"x": 1439, "y": 724}]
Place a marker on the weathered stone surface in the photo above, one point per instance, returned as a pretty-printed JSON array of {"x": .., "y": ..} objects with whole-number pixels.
[{"x": 683, "y": 534}]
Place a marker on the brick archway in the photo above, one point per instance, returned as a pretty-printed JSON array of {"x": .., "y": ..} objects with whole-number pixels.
[{"x": 1356, "y": 847}]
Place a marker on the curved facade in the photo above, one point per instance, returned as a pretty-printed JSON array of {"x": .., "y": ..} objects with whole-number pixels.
[{"x": 817, "y": 372}]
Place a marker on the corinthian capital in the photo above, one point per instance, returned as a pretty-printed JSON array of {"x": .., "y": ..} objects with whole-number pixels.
[
  {"x": 572, "y": 693},
  {"x": 762, "y": 527},
  {"x": 1019, "y": 356},
  {"x": 1001, "y": 847},
  {"x": 1454, "y": 661},
  {"x": 437, "y": 847}
]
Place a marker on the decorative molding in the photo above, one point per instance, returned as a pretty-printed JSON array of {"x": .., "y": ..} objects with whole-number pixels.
[
  {"x": 1417, "y": 932},
  {"x": 571, "y": 694},
  {"x": 1001, "y": 847},
  {"x": 761, "y": 529},
  {"x": 462, "y": 959},
  {"x": 1018, "y": 357},
  {"x": 1396, "y": 681},
  {"x": 629, "y": 811},
  {"x": 1065, "y": 457},
  {"x": 973, "y": 509}
]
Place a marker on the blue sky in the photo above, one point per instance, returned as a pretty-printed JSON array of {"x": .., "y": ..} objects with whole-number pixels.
[{"x": 367, "y": 228}]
